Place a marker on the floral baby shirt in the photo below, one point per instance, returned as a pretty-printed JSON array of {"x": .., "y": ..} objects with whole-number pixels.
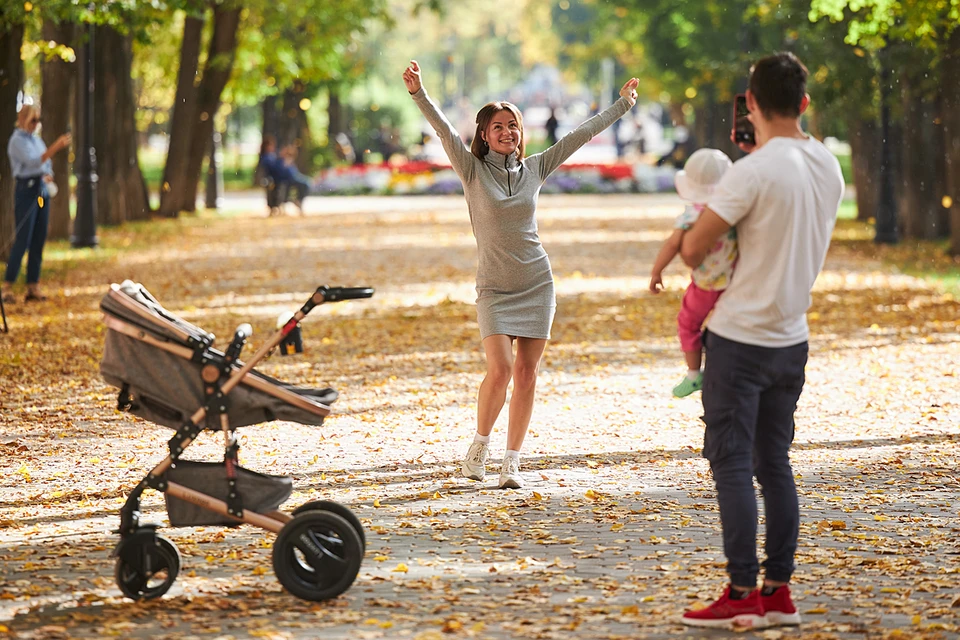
[{"x": 715, "y": 271}]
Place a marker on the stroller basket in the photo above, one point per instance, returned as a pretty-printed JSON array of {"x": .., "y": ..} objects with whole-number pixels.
[
  {"x": 261, "y": 493},
  {"x": 155, "y": 358}
]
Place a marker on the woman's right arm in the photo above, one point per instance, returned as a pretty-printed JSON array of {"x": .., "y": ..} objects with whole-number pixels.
[
  {"x": 60, "y": 143},
  {"x": 460, "y": 157}
]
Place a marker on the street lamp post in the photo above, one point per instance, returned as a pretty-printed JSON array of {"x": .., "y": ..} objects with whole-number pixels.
[
  {"x": 214, "y": 191},
  {"x": 85, "y": 223}
]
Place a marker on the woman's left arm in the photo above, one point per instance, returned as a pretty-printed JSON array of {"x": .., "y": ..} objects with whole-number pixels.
[{"x": 556, "y": 155}]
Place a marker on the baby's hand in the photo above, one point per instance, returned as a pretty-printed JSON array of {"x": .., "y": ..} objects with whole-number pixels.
[{"x": 656, "y": 283}]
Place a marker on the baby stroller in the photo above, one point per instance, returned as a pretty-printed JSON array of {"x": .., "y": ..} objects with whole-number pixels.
[{"x": 169, "y": 373}]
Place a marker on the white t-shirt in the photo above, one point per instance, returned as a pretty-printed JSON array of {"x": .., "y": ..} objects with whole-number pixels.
[{"x": 783, "y": 199}]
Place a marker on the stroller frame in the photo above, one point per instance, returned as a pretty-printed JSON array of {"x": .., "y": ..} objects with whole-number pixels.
[{"x": 319, "y": 546}]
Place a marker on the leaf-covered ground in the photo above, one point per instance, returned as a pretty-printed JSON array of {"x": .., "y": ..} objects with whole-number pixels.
[{"x": 617, "y": 531}]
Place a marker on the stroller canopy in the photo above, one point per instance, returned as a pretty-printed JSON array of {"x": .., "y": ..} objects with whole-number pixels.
[{"x": 155, "y": 358}]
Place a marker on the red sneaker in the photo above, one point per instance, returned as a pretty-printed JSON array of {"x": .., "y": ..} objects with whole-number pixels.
[
  {"x": 738, "y": 614},
  {"x": 778, "y": 608}
]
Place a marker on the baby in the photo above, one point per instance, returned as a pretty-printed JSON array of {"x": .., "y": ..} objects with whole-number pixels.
[{"x": 694, "y": 184}]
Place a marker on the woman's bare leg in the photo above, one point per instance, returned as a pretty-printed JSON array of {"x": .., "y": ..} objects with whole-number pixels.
[
  {"x": 525, "y": 369},
  {"x": 493, "y": 389}
]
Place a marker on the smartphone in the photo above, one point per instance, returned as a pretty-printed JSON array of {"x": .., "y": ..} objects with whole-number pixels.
[{"x": 742, "y": 127}]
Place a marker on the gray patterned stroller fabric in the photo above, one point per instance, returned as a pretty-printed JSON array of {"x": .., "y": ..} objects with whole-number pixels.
[{"x": 152, "y": 355}]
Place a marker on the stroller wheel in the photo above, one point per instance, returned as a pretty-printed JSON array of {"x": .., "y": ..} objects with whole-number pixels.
[
  {"x": 337, "y": 508},
  {"x": 317, "y": 555},
  {"x": 147, "y": 565}
]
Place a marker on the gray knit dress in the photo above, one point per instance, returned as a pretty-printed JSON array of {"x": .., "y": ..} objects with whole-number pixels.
[{"x": 515, "y": 294}]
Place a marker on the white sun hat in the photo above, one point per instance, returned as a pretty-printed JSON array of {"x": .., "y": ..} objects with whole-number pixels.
[{"x": 696, "y": 181}]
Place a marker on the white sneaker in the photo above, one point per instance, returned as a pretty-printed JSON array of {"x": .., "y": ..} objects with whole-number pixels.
[
  {"x": 474, "y": 465},
  {"x": 510, "y": 474}
]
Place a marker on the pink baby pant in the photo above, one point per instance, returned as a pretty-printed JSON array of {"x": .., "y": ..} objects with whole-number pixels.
[{"x": 696, "y": 306}]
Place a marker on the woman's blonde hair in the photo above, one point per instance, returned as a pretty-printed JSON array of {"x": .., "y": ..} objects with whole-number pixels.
[
  {"x": 479, "y": 147},
  {"x": 27, "y": 111}
]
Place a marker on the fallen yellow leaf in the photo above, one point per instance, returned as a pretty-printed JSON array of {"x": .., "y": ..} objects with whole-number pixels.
[{"x": 451, "y": 626}]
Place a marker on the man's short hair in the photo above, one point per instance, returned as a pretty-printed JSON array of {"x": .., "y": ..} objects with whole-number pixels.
[{"x": 779, "y": 83}]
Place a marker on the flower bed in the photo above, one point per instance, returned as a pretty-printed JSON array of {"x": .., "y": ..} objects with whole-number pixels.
[{"x": 421, "y": 178}]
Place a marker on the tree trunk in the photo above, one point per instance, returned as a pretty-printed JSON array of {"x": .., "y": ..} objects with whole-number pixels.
[
  {"x": 173, "y": 185},
  {"x": 712, "y": 124},
  {"x": 917, "y": 173},
  {"x": 335, "y": 119},
  {"x": 294, "y": 128},
  {"x": 57, "y": 91},
  {"x": 939, "y": 151},
  {"x": 951, "y": 125},
  {"x": 216, "y": 73},
  {"x": 865, "y": 158},
  {"x": 931, "y": 188},
  {"x": 271, "y": 117},
  {"x": 11, "y": 77},
  {"x": 270, "y": 126},
  {"x": 121, "y": 189}
]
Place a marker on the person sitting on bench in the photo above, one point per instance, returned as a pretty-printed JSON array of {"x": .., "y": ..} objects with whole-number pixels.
[{"x": 282, "y": 170}]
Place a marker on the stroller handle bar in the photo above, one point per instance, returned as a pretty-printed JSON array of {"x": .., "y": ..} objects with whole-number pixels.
[
  {"x": 336, "y": 294},
  {"x": 328, "y": 294},
  {"x": 323, "y": 294}
]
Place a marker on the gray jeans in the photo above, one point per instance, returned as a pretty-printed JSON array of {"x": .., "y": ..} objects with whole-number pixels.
[{"x": 749, "y": 396}]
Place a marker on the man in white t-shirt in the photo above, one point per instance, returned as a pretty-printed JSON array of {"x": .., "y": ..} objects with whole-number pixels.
[{"x": 783, "y": 200}]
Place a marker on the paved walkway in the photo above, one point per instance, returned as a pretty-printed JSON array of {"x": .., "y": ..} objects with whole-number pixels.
[{"x": 616, "y": 532}]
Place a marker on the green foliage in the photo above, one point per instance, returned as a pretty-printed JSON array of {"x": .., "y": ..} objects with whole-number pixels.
[
  {"x": 280, "y": 42},
  {"x": 693, "y": 52},
  {"x": 370, "y": 125},
  {"x": 311, "y": 42},
  {"x": 873, "y": 23},
  {"x": 859, "y": 34}
]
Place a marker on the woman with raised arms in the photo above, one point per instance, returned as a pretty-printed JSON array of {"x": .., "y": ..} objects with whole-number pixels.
[{"x": 515, "y": 293}]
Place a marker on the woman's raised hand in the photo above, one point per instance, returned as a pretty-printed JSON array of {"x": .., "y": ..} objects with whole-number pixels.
[
  {"x": 63, "y": 141},
  {"x": 629, "y": 91},
  {"x": 411, "y": 77}
]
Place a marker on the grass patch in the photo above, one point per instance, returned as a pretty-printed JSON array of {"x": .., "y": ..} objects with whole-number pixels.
[
  {"x": 848, "y": 210},
  {"x": 846, "y": 166},
  {"x": 926, "y": 259},
  {"x": 238, "y": 170},
  {"x": 59, "y": 257},
  {"x": 929, "y": 260}
]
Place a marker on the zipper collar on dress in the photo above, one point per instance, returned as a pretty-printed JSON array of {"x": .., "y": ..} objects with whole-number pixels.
[{"x": 500, "y": 160}]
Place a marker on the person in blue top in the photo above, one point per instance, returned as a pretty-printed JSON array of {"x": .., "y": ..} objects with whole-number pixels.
[
  {"x": 33, "y": 172},
  {"x": 282, "y": 169}
]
